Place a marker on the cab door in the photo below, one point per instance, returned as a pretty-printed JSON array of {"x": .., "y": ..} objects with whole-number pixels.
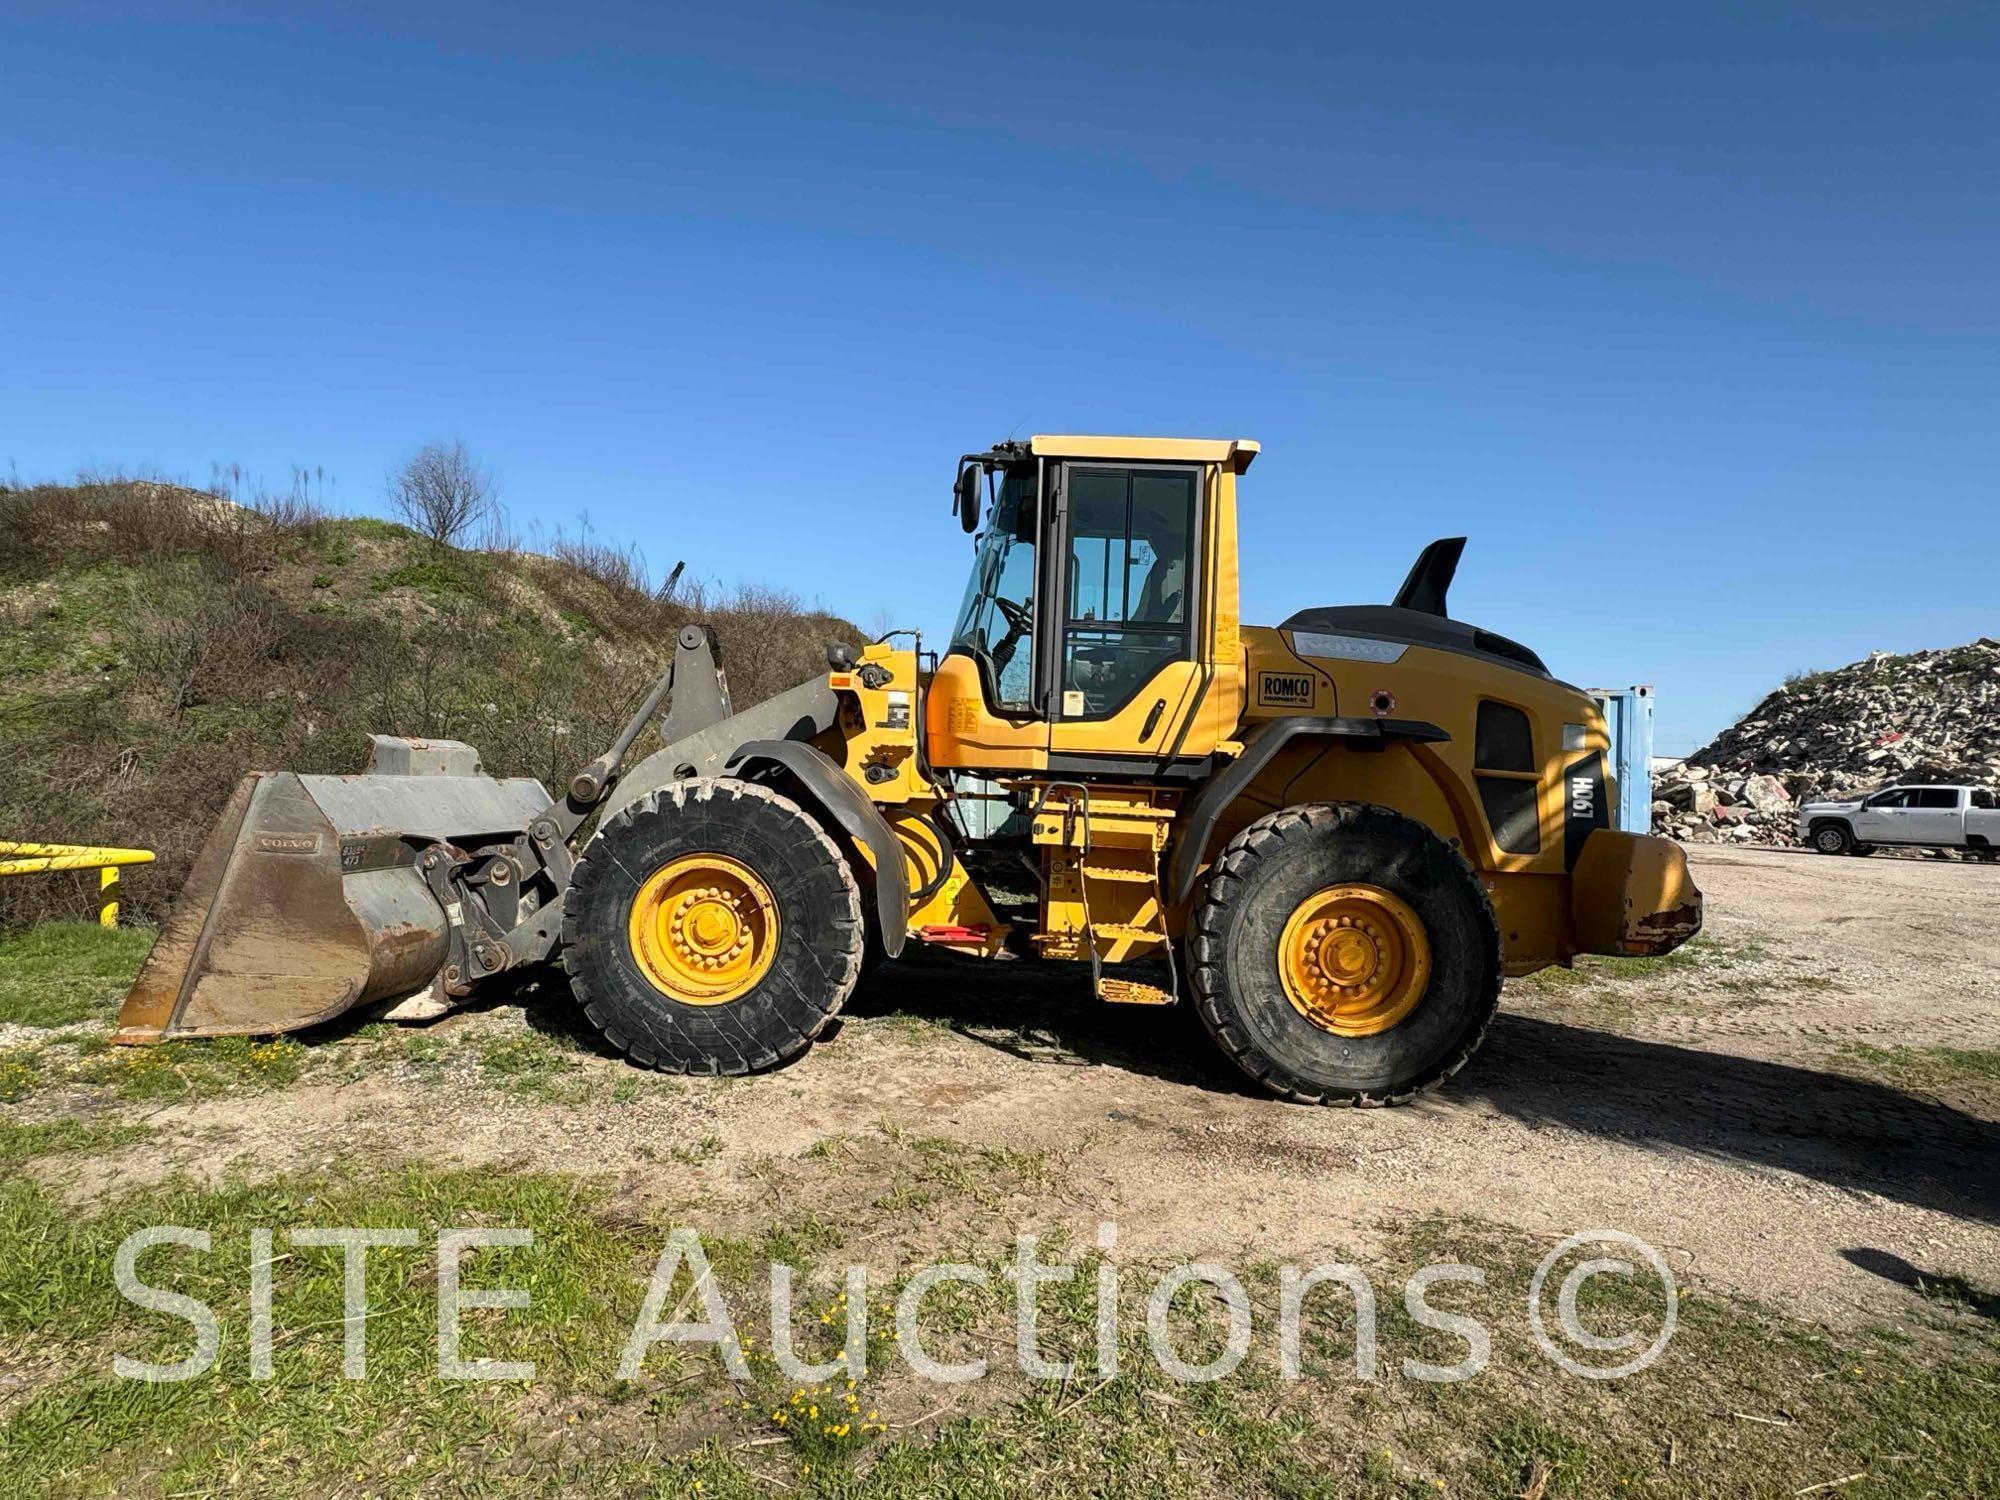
[
  {"x": 1935, "y": 816},
  {"x": 1124, "y": 613},
  {"x": 985, "y": 705},
  {"x": 1883, "y": 818}
]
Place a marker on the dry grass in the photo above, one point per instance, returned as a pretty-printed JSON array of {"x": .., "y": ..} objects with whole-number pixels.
[{"x": 156, "y": 642}]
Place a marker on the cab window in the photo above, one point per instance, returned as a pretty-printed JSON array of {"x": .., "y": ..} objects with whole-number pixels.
[
  {"x": 996, "y": 623},
  {"x": 1899, "y": 797},
  {"x": 1130, "y": 589},
  {"x": 1937, "y": 797}
]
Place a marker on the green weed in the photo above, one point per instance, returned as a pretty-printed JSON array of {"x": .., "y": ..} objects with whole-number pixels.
[
  {"x": 429, "y": 576},
  {"x": 172, "y": 1072},
  {"x": 21, "y": 1143},
  {"x": 1924, "y": 1067}
]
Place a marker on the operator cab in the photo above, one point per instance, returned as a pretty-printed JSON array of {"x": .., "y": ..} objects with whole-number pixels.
[{"x": 1087, "y": 632}]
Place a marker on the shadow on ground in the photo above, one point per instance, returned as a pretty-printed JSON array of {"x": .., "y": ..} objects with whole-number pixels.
[
  {"x": 1044, "y": 1013},
  {"x": 1953, "y": 1290},
  {"x": 541, "y": 993},
  {"x": 1845, "y": 1131},
  {"x": 1849, "y": 1132}
]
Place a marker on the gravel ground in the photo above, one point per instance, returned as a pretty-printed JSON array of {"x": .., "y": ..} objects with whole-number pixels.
[{"x": 1743, "y": 1108}]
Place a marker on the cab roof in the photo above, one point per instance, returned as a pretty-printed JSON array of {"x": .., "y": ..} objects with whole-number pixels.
[{"x": 1236, "y": 452}]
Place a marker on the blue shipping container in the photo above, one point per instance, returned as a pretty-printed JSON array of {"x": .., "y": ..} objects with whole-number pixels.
[{"x": 1628, "y": 714}]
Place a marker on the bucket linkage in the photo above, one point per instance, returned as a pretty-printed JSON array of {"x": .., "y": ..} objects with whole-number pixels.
[{"x": 413, "y": 882}]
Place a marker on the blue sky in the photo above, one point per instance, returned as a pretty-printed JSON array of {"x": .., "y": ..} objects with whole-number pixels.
[{"x": 1689, "y": 318}]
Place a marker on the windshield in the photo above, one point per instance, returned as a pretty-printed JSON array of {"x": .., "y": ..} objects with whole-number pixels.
[{"x": 996, "y": 622}]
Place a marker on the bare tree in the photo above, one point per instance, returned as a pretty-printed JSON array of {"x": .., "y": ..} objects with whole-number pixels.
[{"x": 442, "y": 493}]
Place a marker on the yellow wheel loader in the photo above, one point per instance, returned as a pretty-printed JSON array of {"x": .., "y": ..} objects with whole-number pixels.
[{"x": 1333, "y": 837}]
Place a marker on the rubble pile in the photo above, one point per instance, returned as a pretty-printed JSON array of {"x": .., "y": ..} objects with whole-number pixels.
[{"x": 1933, "y": 716}]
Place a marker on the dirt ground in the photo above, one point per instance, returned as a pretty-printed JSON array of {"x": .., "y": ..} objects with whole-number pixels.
[{"x": 1764, "y": 1110}]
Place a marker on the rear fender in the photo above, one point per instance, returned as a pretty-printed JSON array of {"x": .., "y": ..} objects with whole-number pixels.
[
  {"x": 1209, "y": 804},
  {"x": 835, "y": 795}
]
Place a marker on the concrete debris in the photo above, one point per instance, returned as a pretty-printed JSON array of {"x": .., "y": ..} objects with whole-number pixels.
[
  {"x": 1887, "y": 720},
  {"x": 1766, "y": 793}
]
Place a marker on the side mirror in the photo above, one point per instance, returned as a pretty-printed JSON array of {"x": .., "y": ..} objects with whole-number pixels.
[{"x": 970, "y": 481}]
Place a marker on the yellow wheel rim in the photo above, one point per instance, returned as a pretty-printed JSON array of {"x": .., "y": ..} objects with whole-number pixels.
[
  {"x": 1354, "y": 959},
  {"x": 704, "y": 929}
]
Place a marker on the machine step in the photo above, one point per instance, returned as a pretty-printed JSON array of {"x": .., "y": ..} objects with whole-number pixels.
[
  {"x": 1127, "y": 930},
  {"x": 1119, "y": 873},
  {"x": 1132, "y": 992}
]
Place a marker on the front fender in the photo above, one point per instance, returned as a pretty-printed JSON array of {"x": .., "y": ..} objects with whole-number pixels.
[
  {"x": 796, "y": 714},
  {"x": 839, "y": 798}
]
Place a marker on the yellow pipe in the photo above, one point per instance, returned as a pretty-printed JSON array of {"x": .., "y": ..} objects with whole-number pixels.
[
  {"x": 39, "y": 859},
  {"x": 43, "y": 859}
]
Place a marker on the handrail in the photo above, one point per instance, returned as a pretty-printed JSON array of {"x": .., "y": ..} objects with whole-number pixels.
[{"x": 18, "y": 858}]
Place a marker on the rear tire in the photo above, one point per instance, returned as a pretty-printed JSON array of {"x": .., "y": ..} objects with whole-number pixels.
[
  {"x": 814, "y": 958},
  {"x": 1278, "y": 866},
  {"x": 1832, "y": 838}
]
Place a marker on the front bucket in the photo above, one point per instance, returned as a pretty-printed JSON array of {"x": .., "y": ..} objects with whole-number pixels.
[{"x": 305, "y": 901}]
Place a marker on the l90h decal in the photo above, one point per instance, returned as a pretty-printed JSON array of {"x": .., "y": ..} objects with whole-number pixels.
[{"x": 1586, "y": 804}]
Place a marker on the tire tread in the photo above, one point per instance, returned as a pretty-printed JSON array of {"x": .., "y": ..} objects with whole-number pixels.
[
  {"x": 676, "y": 1051},
  {"x": 1265, "y": 839}
]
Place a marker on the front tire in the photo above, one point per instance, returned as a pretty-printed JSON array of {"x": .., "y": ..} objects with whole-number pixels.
[
  {"x": 1345, "y": 954},
  {"x": 1832, "y": 838},
  {"x": 712, "y": 927}
]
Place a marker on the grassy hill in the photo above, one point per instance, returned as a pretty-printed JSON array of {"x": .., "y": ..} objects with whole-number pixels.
[{"x": 157, "y": 642}]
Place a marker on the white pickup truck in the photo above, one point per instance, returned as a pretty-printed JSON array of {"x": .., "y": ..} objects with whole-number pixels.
[{"x": 1927, "y": 817}]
